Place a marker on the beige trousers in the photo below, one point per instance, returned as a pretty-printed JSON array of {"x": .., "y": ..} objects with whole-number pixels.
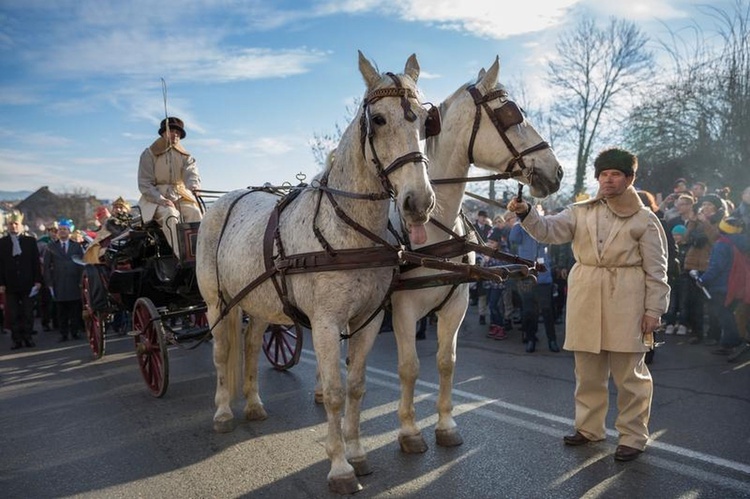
[
  {"x": 634, "y": 391},
  {"x": 169, "y": 217}
]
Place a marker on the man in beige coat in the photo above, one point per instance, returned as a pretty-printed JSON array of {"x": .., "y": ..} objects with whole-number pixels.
[
  {"x": 167, "y": 175},
  {"x": 617, "y": 292}
]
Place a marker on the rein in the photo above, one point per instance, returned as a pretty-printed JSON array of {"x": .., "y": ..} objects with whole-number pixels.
[{"x": 330, "y": 259}]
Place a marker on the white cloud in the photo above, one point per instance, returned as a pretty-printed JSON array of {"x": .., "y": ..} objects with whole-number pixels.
[{"x": 478, "y": 17}]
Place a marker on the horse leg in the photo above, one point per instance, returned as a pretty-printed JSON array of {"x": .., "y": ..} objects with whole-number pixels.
[
  {"x": 227, "y": 356},
  {"x": 404, "y": 328},
  {"x": 318, "y": 387},
  {"x": 359, "y": 346},
  {"x": 449, "y": 320},
  {"x": 341, "y": 477},
  {"x": 254, "y": 410}
]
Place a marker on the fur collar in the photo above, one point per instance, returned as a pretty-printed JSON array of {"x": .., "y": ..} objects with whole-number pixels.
[
  {"x": 160, "y": 146},
  {"x": 625, "y": 205}
]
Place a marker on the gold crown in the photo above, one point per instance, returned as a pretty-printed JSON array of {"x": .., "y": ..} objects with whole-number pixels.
[
  {"x": 14, "y": 216},
  {"x": 121, "y": 202}
]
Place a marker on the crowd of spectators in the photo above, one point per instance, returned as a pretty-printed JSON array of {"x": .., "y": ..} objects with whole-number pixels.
[
  {"x": 703, "y": 226},
  {"x": 40, "y": 274}
]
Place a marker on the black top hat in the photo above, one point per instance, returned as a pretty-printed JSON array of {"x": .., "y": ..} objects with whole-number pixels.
[{"x": 173, "y": 123}]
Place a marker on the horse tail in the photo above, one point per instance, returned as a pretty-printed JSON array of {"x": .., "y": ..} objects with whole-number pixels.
[{"x": 236, "y": 351}]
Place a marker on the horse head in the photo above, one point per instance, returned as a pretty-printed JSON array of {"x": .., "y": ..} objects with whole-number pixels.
[
  {"x": 501, "y": 137},
  {"x": 391, "y": 121}
]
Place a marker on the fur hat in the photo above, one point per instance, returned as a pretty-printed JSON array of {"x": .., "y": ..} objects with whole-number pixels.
[
  {"x": 616, "y": 159},
  {"x": 14, "y": 216},
  {"x": 173, "y": 123}
]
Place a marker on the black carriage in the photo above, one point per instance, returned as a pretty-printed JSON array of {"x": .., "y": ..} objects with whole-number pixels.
[{"x": 139, "y": 274}]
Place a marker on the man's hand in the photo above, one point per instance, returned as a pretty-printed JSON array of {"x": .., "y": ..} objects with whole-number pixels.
[
  {"x": 518, "y": 207},
  {"x": 649, "y": 324}
]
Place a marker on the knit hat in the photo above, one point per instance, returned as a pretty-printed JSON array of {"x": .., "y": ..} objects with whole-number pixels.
[
  {"x": 616, "y": 159},
  {"x": 714, "y": 200},
  {"x": 731, "y": 225},
  {"x": 67, "y": 223},
  {"x": 173, "y": 123},
  {"x": 679, "y": 230}
]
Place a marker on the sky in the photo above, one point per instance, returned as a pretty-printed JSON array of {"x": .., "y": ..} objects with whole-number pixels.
[{"x": 255, "y": 81}]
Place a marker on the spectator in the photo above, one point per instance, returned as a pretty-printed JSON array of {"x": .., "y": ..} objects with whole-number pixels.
[
  {"x": 510, "y": 294},
  {"x": 45, "y": 305},
  {"x": 698, "y": 189},
  {"x": 494, "y": 290},
  {"x": 63, "y": 277},
  {"x": 667, "y": 206},
  {"x": 618, "y": 292},
  {"x": 20, "y": 280},
  {"x": 482, "y": 225},
  {"x": 483, "y": 228},
  {"x": 536, "y": 294},
  {"x": 716, "y": 280},
  {"x": 679, "y": 282},
  {"x": 167, "y": 177},
  {"x": 701, "y": 234}
]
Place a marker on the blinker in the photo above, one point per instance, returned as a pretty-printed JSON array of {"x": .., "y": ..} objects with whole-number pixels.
[
  {"x": 508, "y": 115},
  {"x": 432, "y": 122}
]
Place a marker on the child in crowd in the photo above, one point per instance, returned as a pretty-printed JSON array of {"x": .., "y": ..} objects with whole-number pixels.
[
  {"x": 494, "y": 290},
  {"x": 679, "y": 280}
]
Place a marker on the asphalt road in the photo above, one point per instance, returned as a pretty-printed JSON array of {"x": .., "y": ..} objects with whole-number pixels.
[{"x": 73, "y": 427}]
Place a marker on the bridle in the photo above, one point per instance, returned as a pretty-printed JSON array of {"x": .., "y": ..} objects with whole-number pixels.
[
  {"x": 367, "y": 133},
  {"x": 502, "y": 118}
]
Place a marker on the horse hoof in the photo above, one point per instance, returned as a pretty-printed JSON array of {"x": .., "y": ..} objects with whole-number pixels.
[
  {"x": 344, "y": 485},
  {"x": 256, "y": 414},
  {"x": 319, "y": 398},
  {"x": 361, "y": 466},
  {"x": 448, "y": 438},
  {"x": 412, "y": 444},
  {"x": 224, "y": 426}
]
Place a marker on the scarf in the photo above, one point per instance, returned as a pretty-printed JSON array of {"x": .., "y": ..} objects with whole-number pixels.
[{"x": 16, "y": 244}]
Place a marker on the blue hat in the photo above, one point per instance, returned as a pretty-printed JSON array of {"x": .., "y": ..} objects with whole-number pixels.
[
  {"x": 67, "y": 223},
  {"x": 679, "y": 229}
]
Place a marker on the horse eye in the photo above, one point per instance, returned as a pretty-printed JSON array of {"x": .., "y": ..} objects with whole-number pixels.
[{"x": 378, "y": 120}]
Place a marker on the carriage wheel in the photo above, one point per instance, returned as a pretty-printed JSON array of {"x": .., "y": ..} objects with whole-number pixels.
[
  {"x": 93, "y": 321},
  {"x": 282, "y": 345},
  {"x": 151, "y": 346}
]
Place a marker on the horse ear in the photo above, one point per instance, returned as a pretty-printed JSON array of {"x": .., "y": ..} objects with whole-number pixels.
[
  {"x": 412, "y": 68},
  {"x": 489, "y": 80},
  {"x": 481, "y": 74},
  {"x": 369, "y": 73}
]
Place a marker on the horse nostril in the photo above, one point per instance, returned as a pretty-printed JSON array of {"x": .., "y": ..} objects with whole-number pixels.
[{"x": 559, "y": 172}]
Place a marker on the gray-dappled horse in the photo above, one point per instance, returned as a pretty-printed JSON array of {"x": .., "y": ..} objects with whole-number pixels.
[
  {"x": 249, "y": 239},
  {"x": 480, "y": 126}
]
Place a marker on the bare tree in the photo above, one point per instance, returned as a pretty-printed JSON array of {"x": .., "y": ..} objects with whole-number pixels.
[
  {"x": 697, "y": 125},
  {"x": 598, "y": 71},
  {"x": 323, "y": 144}
]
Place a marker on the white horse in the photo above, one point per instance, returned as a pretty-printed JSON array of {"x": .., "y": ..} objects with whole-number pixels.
[
  {"x": 504, "y": 141},
  {"x": 346, "y": 207}
]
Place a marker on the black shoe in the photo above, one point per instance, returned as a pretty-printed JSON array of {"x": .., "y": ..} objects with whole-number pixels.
[
  {"x": 575, "y": 440},
  {"x": 530, "y": 346},
  {"x": 482, "y": 321},
  {"x": 16, "y": 345},
  {"x": 625, "y": 453},
  {"x": 62, "y": 338},
  {"x": 553, "y": 346},
  {"x": 29, "y": 343}
]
